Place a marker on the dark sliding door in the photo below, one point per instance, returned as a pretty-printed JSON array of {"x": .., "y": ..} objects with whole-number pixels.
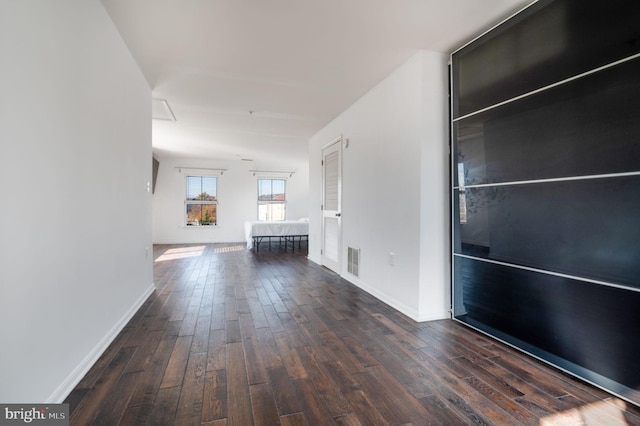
[{"x": 546, "y": 187}]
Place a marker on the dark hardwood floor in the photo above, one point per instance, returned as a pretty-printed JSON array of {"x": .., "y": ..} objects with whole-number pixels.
[{"x": 232, "y": 337}]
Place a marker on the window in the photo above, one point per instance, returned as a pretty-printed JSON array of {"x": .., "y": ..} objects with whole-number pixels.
[
  {"x": 271, "y": 199},
  {"x": 201, "y": 203}
]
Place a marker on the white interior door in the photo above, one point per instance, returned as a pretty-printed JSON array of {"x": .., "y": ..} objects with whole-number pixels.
[{"x": 332, "y": 205}]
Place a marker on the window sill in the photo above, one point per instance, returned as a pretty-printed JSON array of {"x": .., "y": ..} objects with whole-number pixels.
[{"x": 199, "y": 226}]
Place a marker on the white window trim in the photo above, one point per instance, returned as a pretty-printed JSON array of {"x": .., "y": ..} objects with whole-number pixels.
[
  {"x": 197, "y": 172},
  {"x": 273, "y": 176}
]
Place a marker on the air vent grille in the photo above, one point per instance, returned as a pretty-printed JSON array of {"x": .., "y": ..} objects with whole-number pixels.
[{"x": 353, "y": 261}]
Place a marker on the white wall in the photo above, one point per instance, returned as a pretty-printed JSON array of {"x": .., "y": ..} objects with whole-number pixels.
[
  {"x": 75, "y": 221},
  {"x": 435, "y": 233},
  {"x": 237, "y": 199},
  {"x": 394, "y": 188}
]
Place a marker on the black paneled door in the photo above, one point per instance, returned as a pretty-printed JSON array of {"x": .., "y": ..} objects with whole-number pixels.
[{"x": 546, "y": 187}]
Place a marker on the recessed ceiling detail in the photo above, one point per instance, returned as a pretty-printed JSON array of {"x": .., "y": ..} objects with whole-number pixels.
[
  {"x": 262, "y": 77},
  {"x": 160, "y": 110}
]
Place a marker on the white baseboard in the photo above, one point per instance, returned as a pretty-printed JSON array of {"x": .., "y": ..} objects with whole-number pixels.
[
  {"x": 434, "y": 316},
  {"x": 65, "y": 388},
  {"x": 385, "y": 298},
  {"x": 395, "y": 304}
]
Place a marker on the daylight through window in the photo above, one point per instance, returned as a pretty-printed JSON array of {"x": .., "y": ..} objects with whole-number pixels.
[{"x": 271, "y": 199}]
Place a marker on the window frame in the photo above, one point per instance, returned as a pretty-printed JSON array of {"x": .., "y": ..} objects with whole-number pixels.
[
  {"x": 188, "y": 201},
  {"x": 271, "y": 201}
]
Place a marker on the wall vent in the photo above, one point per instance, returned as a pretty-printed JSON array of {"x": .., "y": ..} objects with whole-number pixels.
[{"x": 353, "y": 260}]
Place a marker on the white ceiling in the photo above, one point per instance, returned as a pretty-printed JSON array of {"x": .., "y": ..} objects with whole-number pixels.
[{"x": 257, "y": 78}]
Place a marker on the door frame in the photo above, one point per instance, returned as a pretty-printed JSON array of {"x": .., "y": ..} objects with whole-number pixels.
[{"x": 335, "y": 266}]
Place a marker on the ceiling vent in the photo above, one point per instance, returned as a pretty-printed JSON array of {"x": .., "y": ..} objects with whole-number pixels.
[{"x": 160, "y": 110}]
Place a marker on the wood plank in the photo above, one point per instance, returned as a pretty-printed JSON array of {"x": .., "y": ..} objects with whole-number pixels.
[
  {"x": 218, "y": 321},
  {"x": 243, "y": 306},
  {"x": 297, "y": 419},
  {"x": 230, "y": 308},
  {"x": 144, "y": 352},
  {"x": 283, "y": 391},
  {"x": 214, "y": 399},
  {"x": 347, "y": 359},
  {"x": 99, "y": 368},
  {"x": 222, "y": 422},
  {"x": 339, "y": 328},
  {"x": 74, "y": 398},
  {"x": 189, "y": 321},
  {"x": 174, "y": 373},
  {"x": 440, "y": 413},
  {"x": 256, "y": 369},
  {"x": 239, "y": 411},
  {"x": 348, "y": 420},
  {"x": 363, "y": 356},
  {"x": 361, "y": 403},
  {"x": 296, "y": 337},
  {"x": 148, "y": 384},
  {"x": 334, "y": 400},
  {"x": 441, "y": 382},
  {"x": 453, "y": 327},
  {"x": 216, "y": 351},
  {"x": 517, "y": 411},
  {"x": 206, "y": 304},
  {"x": 410, "y": 373},
  {"x": 172, "y": 329},
  {"x": 263, "y": 404},
  {"x": 89, "y": 407},
  {"x": 454, "y": 343},
  {"x": 247, "y": 326},
  {"x": 290, "y": 357},
  {"x": 200, "y": 341},
  {"x": 268, "y": 348},
  {"x": 491, "y": 404},
  {"x": 263, "y": 296},
  {"x": 530, "y": 374},
  {"x": 135, "y": 415},
  {"x": 396, "y": 396},
  {"x": 275, "y": 324},
  {"x": 233, "y": 333},
  {"x": 257, "y": 313},
  {"x": 393, "y": 328},
  {"x": 474, "y": 368},
  {"x": 180, "y": 308},
  {"x": 164, "y": 407},
  {"x": 317, "y": 343},
  {"x": 114, "y": 406},
  {"x": 535, "y": 400},
  {"x": 312, "y": 405},
  {"x": 190, "y": 403},
  {"x": 277, "y": 303},
  {"x": 312, "y": 319},
  {"x": 379, "y": 395}
]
